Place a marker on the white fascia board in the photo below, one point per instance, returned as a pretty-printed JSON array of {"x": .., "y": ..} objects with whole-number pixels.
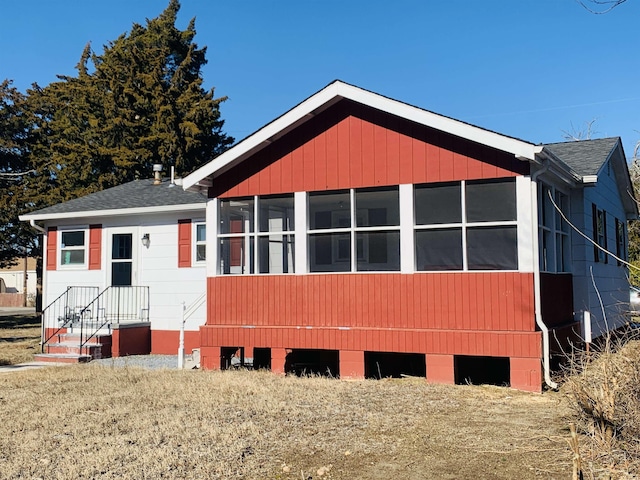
[
  {"x": 115, "y": 212},
  {"x": 337, "y": 90}
]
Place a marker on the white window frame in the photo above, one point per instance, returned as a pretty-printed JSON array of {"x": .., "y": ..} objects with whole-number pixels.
[
  {"x": 254, "y": 235},
  {"x": 554, "y": 228},
  {"x": 352, "y": 230},
  {"x": 197, "y": 243},
  {"x": 464, "y": 225},
  {"x": 85, "y": 248}
]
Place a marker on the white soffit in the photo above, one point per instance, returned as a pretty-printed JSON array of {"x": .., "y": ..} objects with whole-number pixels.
[{"x": 332, "y": 94}]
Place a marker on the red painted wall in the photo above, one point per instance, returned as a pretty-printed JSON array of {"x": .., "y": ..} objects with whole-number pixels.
[
  {"x": 461, "y": 313},
  {"x": 131, "y": 341},
  {"x": 351, "y": 146},
  {"x": 166, "y": 342}
]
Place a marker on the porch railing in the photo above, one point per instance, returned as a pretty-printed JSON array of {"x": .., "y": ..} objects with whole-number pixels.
[
  {"x": 114, "y": 305},
  {"x": 66, "y": 311}
]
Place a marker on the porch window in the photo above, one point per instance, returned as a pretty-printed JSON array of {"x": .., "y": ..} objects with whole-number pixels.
[
  {"x": 256, "y": 235},
  {"x": 354, "y": 230},
  {"x": 72, "y": 248},
  {"x": 466, "y": 226},
  {"x": 553, "y": 237}
]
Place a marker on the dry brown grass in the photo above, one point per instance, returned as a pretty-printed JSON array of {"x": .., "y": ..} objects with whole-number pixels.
[
  {"x": 19, "y": 338},
  {"x": 603, "y": 388},
  {"x": 90, "y": 421}
]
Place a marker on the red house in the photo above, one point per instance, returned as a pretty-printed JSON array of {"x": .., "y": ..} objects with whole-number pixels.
[{"x": 368, "y": 237}]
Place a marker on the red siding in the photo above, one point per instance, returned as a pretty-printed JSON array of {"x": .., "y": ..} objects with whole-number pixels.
[
  {"x": 352, "y": 146},
  {"x": 52, "y": 241},
  {"x": 184, "y": 243},
  {"x": 95, "y": 247},
  {"x": 444, "y": 313}
]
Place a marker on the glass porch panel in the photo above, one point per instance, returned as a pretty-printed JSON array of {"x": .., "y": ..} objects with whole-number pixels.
[
  {"x": 236, "y": 255},
  {"x": 329, "y": 210},
  {"x": 378, "y": 251},
  {"x": 492, "y": 248},
  {"x": 330, "y": 252},
  {"x": 491, "y": 201},
  {"x": 438, "y": 204},
  {"x": 276, "y": 253},
  {"x": 438, "y": 250},
  {"x": 276, "y": 214},
  {"x": 237, "y": 215},
  {"x": 379, "y": 207}
]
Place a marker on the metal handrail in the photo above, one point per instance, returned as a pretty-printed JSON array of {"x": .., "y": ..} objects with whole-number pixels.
[
  {"x": 133, "y": 308},
  {"x": 67, "y": 315}
]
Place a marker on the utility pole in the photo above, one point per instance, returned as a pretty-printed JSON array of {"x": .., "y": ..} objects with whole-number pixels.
[{"x": 24, "y": 279}]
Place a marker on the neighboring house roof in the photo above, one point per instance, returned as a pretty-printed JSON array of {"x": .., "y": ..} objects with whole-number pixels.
[
  {"x": 330, "y": 95},
  {"x": 139, "y": 196},
  {"x": 585, "y": 157}
]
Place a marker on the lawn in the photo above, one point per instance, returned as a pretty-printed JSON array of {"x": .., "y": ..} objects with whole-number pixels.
[
  {"x": 95, "y": 421},
  {"x": 19, "y": 338}
]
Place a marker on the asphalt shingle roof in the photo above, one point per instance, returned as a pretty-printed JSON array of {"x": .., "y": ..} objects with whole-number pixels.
[
  {"x": 585, "y": 157},
  {"x": 136, "y": 194}
]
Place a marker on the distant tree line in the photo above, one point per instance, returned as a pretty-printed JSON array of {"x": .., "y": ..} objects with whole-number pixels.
[{"x": 138, "y": 102}]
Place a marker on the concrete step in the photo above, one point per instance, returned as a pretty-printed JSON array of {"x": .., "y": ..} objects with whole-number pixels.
[
  {"x": 94, "y": 350},
  {"x": 61, "y": 358}
]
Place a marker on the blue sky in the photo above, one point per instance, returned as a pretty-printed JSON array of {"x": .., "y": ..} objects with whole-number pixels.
[{"x": 526, "y": 68}]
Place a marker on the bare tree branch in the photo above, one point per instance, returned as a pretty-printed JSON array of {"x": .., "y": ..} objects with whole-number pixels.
[{"x": 601, "y": 6}]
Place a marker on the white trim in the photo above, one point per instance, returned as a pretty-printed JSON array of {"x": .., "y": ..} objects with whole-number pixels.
[
  {"x": 194, "y": 235},
  {"x": 85, "y": 247},
  {"x": 525, "y": 224},
  {"x": 407, "y": 243},
  {"x": 115, "y": 212},
  {"x": 213, "y": 251},
  {"x": 329, "y": 95},
  {"x": 301, "y": 265}
]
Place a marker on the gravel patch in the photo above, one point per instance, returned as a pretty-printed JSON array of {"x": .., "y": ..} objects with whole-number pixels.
[{"x": 152, "y": 362}]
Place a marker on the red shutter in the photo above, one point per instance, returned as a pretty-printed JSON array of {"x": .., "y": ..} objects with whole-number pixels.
[
  {"x": 52, "y": 241},
  {"x": 95, "y": 247},
  {"x": 184, "y": 243}
]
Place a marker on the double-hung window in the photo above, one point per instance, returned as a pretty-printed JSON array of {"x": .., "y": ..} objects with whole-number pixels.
[
  {"x": 466, "y": 226},
  {"x": 256, "y": 235},
  {"x": 621, "y": 241},
  {"x": 72, "y": 248},
  {"x": 201, "y": 242}
]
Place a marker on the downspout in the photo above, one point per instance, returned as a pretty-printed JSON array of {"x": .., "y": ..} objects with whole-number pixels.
[
  {"x": 36, "y": 226},
  {"x": 536, "y": 276}
]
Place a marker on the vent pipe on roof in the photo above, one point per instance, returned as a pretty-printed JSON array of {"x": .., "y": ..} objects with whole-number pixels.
[{"x": 157, "y": 173}]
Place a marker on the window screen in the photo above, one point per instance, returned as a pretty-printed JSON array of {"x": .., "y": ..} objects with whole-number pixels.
[
  {"x": 491, "y": 201},
  {"x": 492, "y": 248},
  {"x": 439, "y": 249},
  {"x": 437, "y": 204}
]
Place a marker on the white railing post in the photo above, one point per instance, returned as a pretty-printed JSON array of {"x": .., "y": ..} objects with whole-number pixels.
[{"x": 181, "y": 345}]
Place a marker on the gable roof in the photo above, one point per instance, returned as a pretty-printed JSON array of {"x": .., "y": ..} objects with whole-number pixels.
[
  {"x": 139, "y": 196},
  {"x": 585, "y": 157},
  {"x": 330, "y": 95}
]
